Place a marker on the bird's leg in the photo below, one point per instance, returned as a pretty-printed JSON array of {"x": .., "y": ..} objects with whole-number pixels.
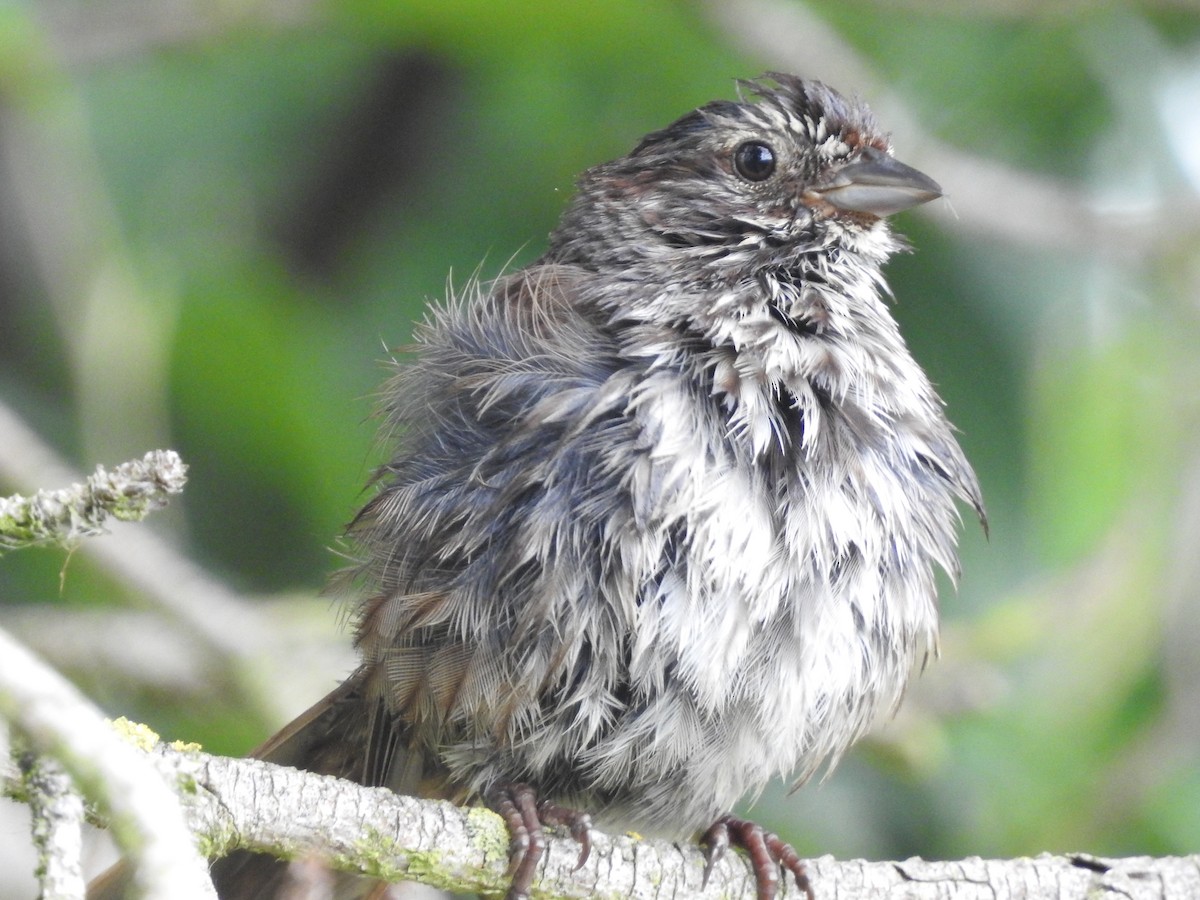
[
  {"x": 525, "y": 815},
  {"x": 768, "y": 854}
]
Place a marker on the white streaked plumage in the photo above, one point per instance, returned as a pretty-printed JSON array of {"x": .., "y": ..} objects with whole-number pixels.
[{"x": 668, "y": 504}]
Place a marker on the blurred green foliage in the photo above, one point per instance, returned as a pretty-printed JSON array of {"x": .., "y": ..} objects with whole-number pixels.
[{"x": 217, "y": 228}]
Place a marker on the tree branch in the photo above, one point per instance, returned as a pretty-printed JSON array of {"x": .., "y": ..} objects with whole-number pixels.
[
  {"x": 52, "y": 718},
  {"x": 56, "y": 810},
  {"x": 63, "y": 516},
  {"x": 249, "y": 804}
]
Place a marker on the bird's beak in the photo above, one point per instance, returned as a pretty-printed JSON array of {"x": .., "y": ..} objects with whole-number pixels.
[{"x": 878, "y": 184}]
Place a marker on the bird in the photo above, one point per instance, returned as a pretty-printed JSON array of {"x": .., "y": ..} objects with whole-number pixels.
[{"x": 664, "y": 510}]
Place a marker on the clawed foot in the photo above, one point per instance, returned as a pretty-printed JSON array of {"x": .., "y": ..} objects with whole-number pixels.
[
  {"x": 518, "y": 805},
  {"x": 768, "y": 854}
]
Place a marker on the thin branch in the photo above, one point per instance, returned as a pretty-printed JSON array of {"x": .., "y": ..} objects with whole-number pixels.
[
  {"x": 56, "y": 721},
  {"x": 63, "y": 516},
  {"x": 56, "y": 810}
]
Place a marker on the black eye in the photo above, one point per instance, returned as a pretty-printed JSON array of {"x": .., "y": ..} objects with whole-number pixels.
[{"x": 754, "y": 161}]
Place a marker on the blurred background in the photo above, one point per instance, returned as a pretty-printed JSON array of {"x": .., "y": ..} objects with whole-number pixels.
[{"x": 218, "y": 220}]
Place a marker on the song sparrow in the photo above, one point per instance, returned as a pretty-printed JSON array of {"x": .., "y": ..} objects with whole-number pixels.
[{"x": 668, "y": 503}]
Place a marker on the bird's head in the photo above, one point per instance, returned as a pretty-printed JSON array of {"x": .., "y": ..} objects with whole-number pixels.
[{"x": 790, "y": 168}]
